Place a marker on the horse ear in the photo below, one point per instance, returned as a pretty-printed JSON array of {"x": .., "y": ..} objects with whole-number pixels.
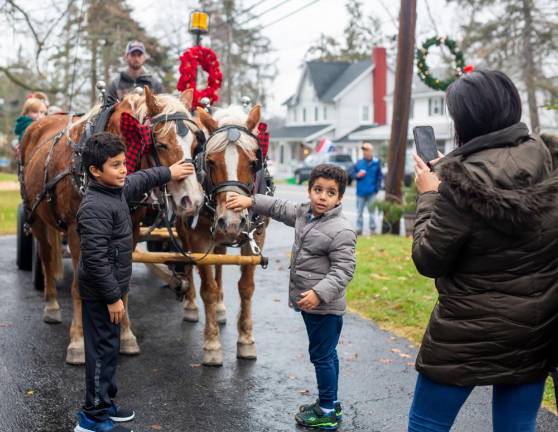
[
  {"x": 153, "y": 107},
  {"x": 254, "y": 117},
  {"x": 209, "y": 122},
  {"x": 186, "y": 98}
]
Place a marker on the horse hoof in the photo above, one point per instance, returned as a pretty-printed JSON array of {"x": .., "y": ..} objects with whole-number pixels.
[
  {"x": 75, "y": 354},
  {"x": 191, "y": 315},
  {"x": 129, "y": 346},
  {"x": 246, "y": 351},
  {"x": 52, "y": 316},
  {"x": 212, "y": 358},
  {"x": 222, "y": 317}
]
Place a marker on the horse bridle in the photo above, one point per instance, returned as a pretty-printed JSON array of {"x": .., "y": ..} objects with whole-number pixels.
[
  {"x": 181, "y": 119},
  {"x": 204, "y": 173}
]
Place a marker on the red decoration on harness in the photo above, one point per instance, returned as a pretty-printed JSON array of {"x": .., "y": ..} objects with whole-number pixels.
[
  {"x": 138, "y": 140},
  {"x": 263, "y": 138},
  {"x": 468, "y": 69},
  {"x": 189, "y": 62}
]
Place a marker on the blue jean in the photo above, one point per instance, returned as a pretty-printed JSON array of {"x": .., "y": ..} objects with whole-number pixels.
[
  {"x": 435, "y": 406},
  {"x": 323, "y": 336},
  {"x": 363, "y": 202}
]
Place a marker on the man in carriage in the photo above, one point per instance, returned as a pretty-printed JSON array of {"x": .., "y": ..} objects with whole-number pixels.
[{"x": 134, "y": 76}]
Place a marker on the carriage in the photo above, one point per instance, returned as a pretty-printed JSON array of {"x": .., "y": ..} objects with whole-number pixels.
[{"x": 185, "y": 224}]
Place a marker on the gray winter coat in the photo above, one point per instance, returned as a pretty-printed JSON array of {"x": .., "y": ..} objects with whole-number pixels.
[{"x": 323, "y": 255}]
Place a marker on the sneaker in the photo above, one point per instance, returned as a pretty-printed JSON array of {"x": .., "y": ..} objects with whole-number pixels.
[
  {"x": 337, "y": 406},
  {"x": 314, "y": 417},
  {"x": 85, "y": 424},
  {"x": 119, "y": 414}
]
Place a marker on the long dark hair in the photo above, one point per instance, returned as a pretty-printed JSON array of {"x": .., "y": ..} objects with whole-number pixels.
[{"x": 481, "y": 102}]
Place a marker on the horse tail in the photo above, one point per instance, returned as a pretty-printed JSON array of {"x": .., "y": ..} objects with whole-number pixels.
[{"x": 55, "y": 243}]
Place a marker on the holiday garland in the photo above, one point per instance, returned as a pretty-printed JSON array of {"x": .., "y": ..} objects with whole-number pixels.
[
  {"x": 189, "y": 62},
  {"x": 424, "y": 70}
]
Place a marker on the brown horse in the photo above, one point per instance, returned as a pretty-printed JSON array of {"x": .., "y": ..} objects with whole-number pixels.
[
  {"x": 230, "y": 160},
  {"x": 44, "y": 158}
]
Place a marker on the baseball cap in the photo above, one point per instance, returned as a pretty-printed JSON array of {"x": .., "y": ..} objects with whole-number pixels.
[{"x": 135, "y": 46}]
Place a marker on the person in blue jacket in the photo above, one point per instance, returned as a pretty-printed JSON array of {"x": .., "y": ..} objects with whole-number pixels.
[{"x": 368, "y": 174}]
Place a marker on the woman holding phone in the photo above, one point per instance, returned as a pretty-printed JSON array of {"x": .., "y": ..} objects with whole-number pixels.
[{"x": 487, "y": 231}]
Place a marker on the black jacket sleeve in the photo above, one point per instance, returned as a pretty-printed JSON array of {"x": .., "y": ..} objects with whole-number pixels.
[
  {"x": 95, "y": 225},
  {"x": 440, "y": 231},
  {"x": 143, "y": 181}
]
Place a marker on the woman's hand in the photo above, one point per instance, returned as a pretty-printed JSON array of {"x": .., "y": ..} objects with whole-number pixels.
[
  {"x": 238, "y": 202},
  {"x": 425, "y": 179}
]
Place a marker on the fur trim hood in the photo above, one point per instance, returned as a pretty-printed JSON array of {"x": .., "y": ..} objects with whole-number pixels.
[{"x": 506, "y": 177}]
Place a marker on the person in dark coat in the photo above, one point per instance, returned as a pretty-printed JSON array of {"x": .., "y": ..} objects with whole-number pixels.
[
  {"x": 105, "y": 267},
  {"x": 134, "y": 76},
  {"x": 487, "y": 231}
]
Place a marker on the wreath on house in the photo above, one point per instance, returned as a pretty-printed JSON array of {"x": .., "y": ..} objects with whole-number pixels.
[
  {"x": 424, "y": 71},
  {"x": 189, "y": 62}
]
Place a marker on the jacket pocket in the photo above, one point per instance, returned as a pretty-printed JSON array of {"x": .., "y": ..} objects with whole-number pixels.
[{"x": 305, "y": 280}]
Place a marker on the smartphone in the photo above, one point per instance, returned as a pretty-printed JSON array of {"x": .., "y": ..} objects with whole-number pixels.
[{"x": 425, "y": 143}]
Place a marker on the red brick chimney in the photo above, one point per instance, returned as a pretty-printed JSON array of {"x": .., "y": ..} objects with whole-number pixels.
[{"x": 379, "y": 85}]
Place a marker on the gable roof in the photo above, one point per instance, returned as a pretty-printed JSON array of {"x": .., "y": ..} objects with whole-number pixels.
[
  {"x": 329, "y": 78},
  {"x": 351, "y": 73}
]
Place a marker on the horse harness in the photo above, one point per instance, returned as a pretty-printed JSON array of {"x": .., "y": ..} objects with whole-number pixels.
[{"x": 261, "y": 183}]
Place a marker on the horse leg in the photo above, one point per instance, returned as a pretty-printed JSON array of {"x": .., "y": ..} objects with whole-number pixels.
[
  {"x": 191, "y": 312},
  {"x": 212, "y": 350},
  {"x": 50, "y": 252},
  {"x": 128, "y": 342},
  {"x": 75, "y": 353},
  {"x": 221, "y": 309},
  {"x": 246, "y": 346}
]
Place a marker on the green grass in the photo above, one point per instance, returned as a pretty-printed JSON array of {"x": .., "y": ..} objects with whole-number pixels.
[
  {"x": 9, "y": 201},
  {"x": 388, "y": 290},
  {"x": 8, "y": 177}
]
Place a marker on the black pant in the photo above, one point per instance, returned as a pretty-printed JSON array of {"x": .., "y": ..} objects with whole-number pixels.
[
  {"x": 323, "y": 335},
  {"x": 102, "y": 344}
]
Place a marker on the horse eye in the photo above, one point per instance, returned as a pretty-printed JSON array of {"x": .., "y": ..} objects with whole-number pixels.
[{"x": 162, "y": 146}]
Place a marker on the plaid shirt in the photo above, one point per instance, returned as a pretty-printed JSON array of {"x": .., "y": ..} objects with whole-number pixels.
[{"x": 138, "y": 140}]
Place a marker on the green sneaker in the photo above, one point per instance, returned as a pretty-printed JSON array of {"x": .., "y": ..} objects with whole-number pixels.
[
  {"x": 314, "y": 417},
  {"x": 337, "y": 406}
]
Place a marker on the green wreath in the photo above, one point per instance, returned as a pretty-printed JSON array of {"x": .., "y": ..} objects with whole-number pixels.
[{"x": 424, "y": 70}]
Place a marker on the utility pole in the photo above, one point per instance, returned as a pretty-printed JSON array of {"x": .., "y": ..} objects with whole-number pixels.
[
  {"x": 528, "y": 68},
  {"x": 401, "y": 99}
]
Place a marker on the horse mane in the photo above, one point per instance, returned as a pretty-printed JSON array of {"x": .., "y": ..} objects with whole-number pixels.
[
  {"x": 170, "y": 105},
  {"x": 232, "y": 115},
  {"x": 91, "y": 113}
]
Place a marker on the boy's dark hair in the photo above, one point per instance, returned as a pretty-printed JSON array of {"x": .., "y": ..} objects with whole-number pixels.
[
  {"x": 481, "y": 102},
  {"x": 331, "y": 172},
  {"x": 99, "y": 147}
]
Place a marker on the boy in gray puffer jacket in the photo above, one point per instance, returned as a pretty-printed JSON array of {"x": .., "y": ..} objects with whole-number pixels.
[{"x": 322, "y": 264}]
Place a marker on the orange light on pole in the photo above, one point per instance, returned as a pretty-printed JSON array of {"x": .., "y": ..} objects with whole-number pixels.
[{"x": 199, "y": 23}]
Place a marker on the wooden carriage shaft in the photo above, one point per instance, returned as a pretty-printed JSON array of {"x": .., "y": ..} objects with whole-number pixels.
[{"x": 198, "y": 258}]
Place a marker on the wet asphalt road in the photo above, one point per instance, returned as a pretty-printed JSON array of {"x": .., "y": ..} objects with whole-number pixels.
[{"x": 168, "y": 388}]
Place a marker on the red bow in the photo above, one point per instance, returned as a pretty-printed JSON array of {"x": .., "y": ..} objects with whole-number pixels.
[
  {"x": 263, "y": 138},
  {"x": 468, "y": 69},
  {"x": 138, "y": 140}
]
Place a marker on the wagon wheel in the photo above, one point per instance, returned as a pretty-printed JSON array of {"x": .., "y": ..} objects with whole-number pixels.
[
  {"x": 24, "y": 247},
  {"x": 37, "y": 277}
]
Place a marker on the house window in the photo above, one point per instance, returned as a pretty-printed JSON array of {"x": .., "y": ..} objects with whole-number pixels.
[
  {"x": 365, "y": 114},
  {"x": 325, "y": 113},
  {"x": 294, "y": 115},
  {"x": 281, "y": 154},
  {"x": 303, "y": 115},
  {"x": 316, "y": 114},
  {"x": 293, "y": 152},
  {"x": 436, "y": 106}
]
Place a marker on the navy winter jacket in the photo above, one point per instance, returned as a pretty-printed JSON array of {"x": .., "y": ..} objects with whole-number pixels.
[
  {"x": 105, "y": 229},
  {"x": 369, "y": 184}
]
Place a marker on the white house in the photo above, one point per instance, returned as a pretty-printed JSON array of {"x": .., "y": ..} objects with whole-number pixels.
[{"x": 332, "y": 100}]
